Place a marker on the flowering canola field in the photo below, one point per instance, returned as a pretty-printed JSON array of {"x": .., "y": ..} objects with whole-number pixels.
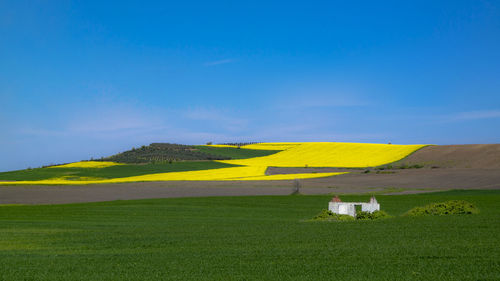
[
  {"x": 318, "y": 154},
  {"x": 88, "y": 164},
  {"x": 327, "y": 154}
]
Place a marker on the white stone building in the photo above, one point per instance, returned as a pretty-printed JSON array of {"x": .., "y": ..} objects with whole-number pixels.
[{"x": 349, "y": 208}]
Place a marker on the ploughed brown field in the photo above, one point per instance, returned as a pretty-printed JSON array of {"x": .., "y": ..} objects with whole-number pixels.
[{"x": 475, "y": 166}]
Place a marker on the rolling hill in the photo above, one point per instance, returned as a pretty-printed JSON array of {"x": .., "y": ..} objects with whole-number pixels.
[{"x": 167, "y": 162}]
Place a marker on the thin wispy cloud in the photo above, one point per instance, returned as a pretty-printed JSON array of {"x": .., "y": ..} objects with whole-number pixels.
[
  {"x": 321, "y": 102},
  {"x": 221, "y": 119},
  {"x": 475, "y": 115},
  {"x": 315, "y": 94},
  {"x": 219, "y": 62},
  {"x": 102, "y": 121}
]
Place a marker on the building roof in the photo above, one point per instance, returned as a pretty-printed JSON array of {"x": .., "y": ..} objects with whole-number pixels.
[{"x": 336, "y": 199}]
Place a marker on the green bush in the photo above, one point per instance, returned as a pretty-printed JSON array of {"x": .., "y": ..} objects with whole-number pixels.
[
  {"x": 326, "y": 215},
  {"x": 371, "y": 216},
  {"x": 453, "y": 207}
]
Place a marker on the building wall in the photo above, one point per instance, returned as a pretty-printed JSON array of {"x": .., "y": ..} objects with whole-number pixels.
[{"x": 349, "y": 208}]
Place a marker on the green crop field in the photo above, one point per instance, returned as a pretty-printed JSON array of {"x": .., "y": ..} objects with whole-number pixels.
[
  {"x": 112, "y": 172},
  {"x": 249, "y": 238}
]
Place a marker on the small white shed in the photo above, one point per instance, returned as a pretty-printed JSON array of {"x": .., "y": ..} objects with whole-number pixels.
[{"x": 349, "y": 208}]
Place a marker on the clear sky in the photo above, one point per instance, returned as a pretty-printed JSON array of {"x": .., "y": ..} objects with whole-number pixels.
[{"x": 81, "y": 79}]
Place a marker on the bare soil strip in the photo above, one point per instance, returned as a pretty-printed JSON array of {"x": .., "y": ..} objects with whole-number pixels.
[
  {"x": 417, "y": 179},
  {"x": 126, "y": 191}
]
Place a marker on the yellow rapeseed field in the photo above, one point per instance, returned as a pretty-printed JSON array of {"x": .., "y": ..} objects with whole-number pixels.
[
  {"x": 313, "y": 154},
  {"x": 88, "y": 164},
  {"x": 327, "y": 154}
]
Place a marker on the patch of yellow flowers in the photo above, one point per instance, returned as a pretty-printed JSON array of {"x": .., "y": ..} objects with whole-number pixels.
[
  {"x": 88, "y": 164},
  {"x": 313, "y": 154}
]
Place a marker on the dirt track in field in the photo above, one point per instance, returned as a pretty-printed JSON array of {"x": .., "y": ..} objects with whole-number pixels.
[{"x": 446, "y": 167}]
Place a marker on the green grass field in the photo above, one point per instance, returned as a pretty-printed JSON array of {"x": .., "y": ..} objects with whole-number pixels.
[
  {"x": 118, "y": 171},
  {"x": 248, "y": 238}
]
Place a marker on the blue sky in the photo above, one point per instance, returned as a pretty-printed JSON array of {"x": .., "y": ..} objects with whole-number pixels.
[{"x": 81, "y": 79}]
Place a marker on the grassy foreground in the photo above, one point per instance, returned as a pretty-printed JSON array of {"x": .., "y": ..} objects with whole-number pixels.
[{"x": 248, "y": 238}]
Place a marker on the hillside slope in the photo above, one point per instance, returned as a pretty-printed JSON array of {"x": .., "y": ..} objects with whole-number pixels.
[
  {"x": 477, "y": 156},
  {"x": 168, "y": 152},
  {"x": 251, "y": 163}
]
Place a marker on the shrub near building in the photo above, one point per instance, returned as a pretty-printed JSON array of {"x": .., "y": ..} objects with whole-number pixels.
[
  {"x": 326, "y": 215},
  {"x": 453, "y": 207}
]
